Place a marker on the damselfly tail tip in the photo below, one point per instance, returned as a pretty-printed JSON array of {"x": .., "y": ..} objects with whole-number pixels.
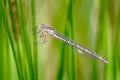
[
  {"x": 103, "y": 59},
  {"x": 106, "y": 61}
]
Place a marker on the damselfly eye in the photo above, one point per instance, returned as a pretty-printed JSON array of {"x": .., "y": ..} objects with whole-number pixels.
[{"x": 42, "y": 26}]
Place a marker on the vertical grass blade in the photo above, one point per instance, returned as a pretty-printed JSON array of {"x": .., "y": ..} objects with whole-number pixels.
[
  {"x": 35, "y": 48},
  {"x": 15, "y": 26},
  {"x": 1, "y": 42},
  {"x": 7, "y": 29},
  {"x": 72, "y": 55},
  {"x": 116, "y": 44},
  {"x": 25, "y": 39},
  {"x": 7, "y": 45},
  {"x": 60, "y": 71},
  {"x": 101, "y": 37}
]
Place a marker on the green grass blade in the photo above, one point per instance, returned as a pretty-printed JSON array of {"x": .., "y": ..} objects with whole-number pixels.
[
  {"x": 15, "y": 26},
  {"x": 35, "y": 48},
  {"x": 60, "y": 71},
  {"x": 7, "y": 29},
  {"x": 9, "y": 75},
  {"x": 1, "y": 48},
  {"x": 116, "y": 44},
  {"x": 72, "y": 55},
  {"x": 25, "y": 39}
]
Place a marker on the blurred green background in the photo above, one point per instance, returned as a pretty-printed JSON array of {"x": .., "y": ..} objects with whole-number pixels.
[{"x": 92, "y": 23}]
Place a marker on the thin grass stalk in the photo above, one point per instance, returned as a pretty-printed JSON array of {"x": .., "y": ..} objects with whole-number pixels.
[
  {"x": 101, "y": 25},
  {"x": 7, "y": 29},
  {"x": 105, "y": 29},
  {"x": 114, "y": 58},
  {"x": 68, "y": 57},
  {"x": 118, "y": 36},
  {"x": 106, "y": 39},
  {"x": 35, "y": 47},
  {"x": 4, "y": 59},
  {"x": 8, "y": 59},
  {"x": 1, "y": 43},
  {"x": 116, "y": 45},
  {"x": 109, "y": 67},
  {"x": 100, "y": 36},
  {"x": 15, "y": 25},
  {"x": 115, "y": 55},
  {"x": 3, "y": 54},
  {"x": 24, "y": 61},
  {"x": 25, "y": 40},
  {"x": 91, "y": 36},
  {"x": 72, "y": 55},
  {"x": 61, "y": 67},
  {"x": 61, "y": 64},
  {"x": 90, "y": 15}
]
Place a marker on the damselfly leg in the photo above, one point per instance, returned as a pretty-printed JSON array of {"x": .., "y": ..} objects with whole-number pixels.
[{"x": 40, "y": 34}]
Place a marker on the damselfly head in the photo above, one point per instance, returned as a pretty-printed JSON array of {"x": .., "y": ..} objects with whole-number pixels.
[
  {"x": 42, "y": 26},
  {"x": 50, "y": 30}
]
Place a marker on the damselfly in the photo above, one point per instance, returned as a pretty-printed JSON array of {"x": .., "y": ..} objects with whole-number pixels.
[{"x": 76, "y": 45}]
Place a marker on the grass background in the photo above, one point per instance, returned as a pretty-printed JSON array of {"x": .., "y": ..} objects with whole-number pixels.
[{"x": 93, "y": 23}]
